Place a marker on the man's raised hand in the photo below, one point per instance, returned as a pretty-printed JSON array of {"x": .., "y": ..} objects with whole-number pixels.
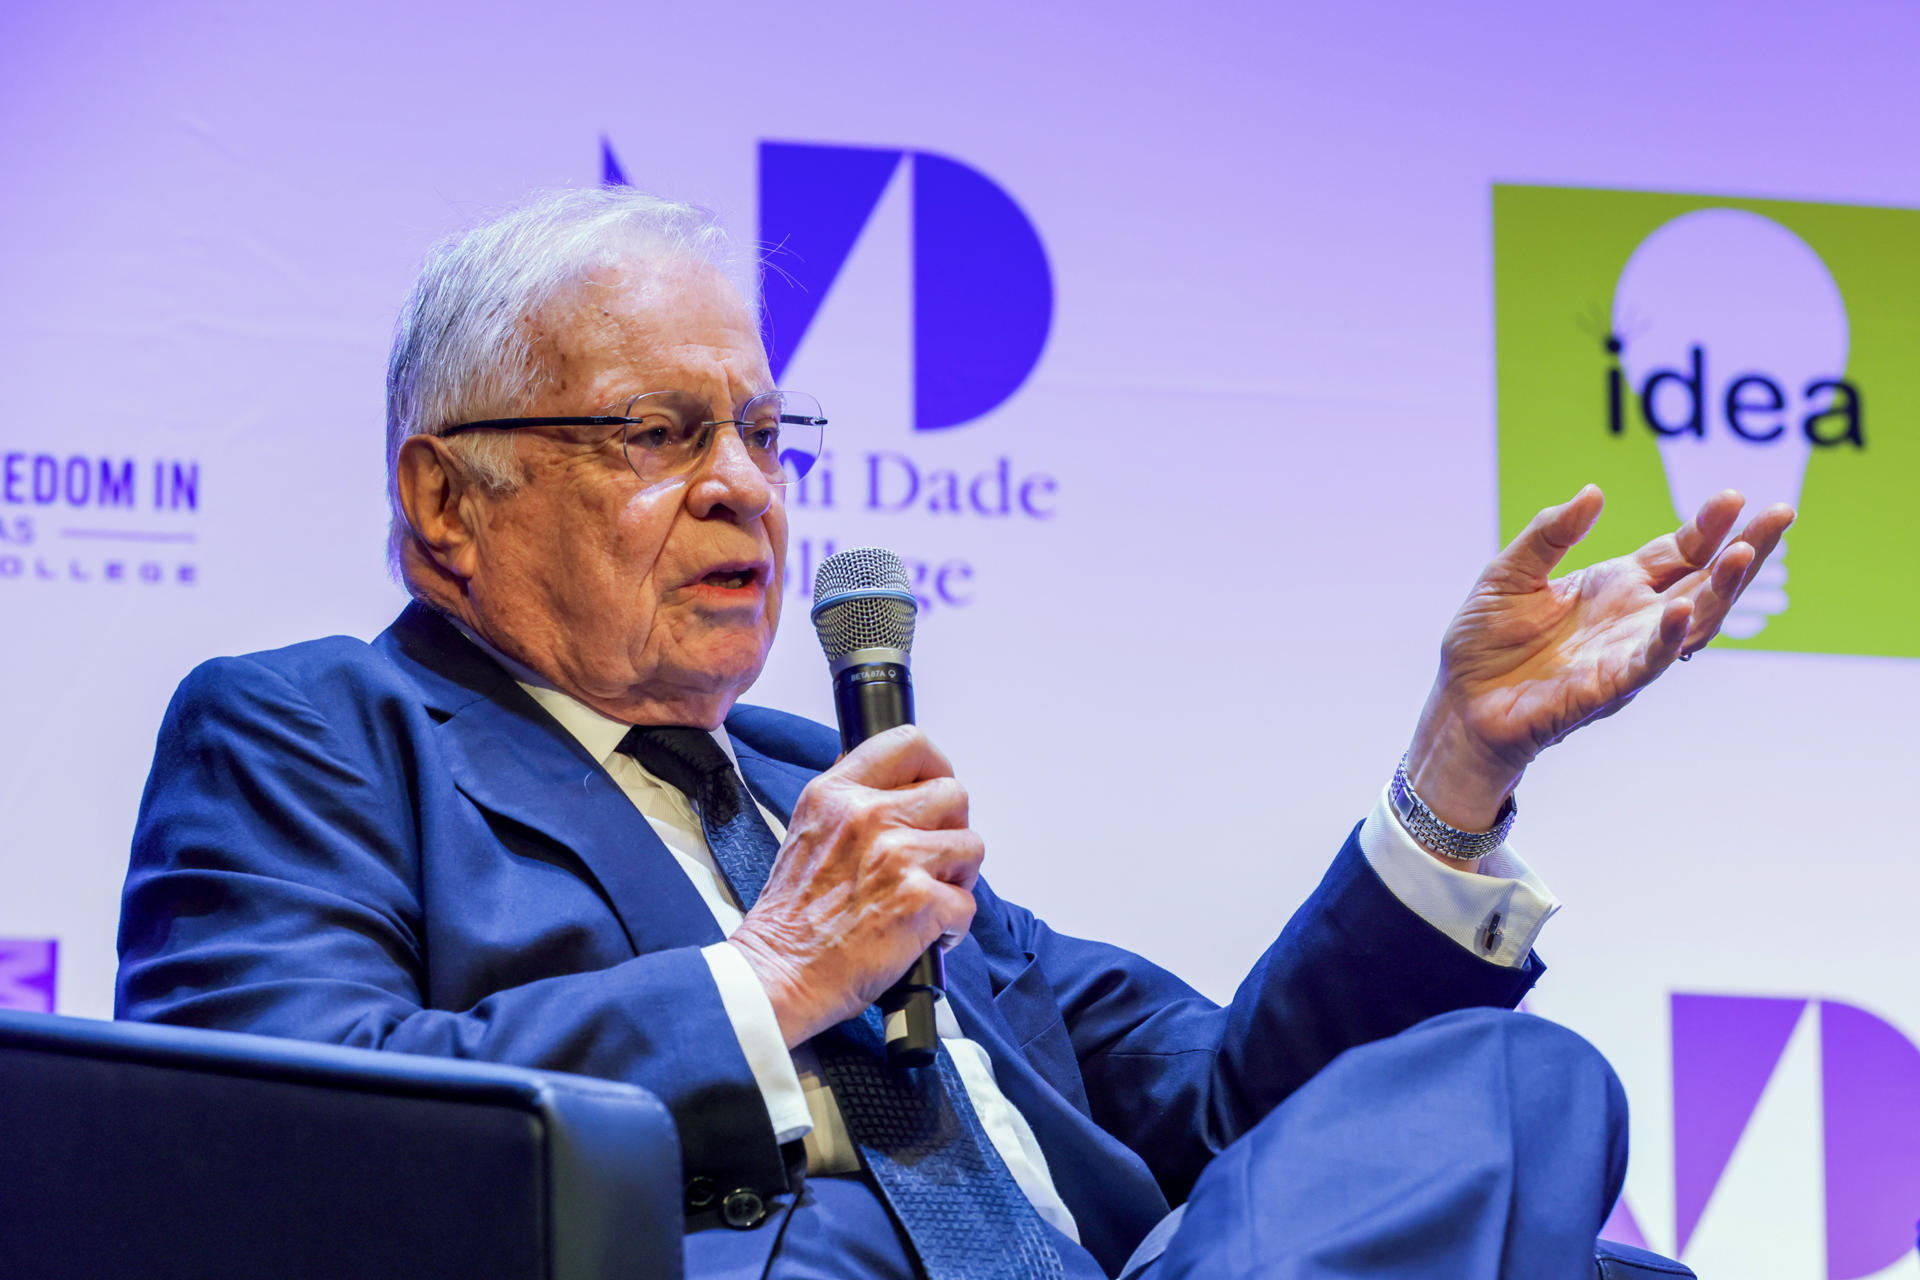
[
  {"x": 1527, "y": 660},
  {"x": 878, "y": 865}
]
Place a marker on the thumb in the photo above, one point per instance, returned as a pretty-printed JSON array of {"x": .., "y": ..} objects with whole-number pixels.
[
  {"x": 1529, "y": 559},
  {"x": 900, "y": 757}
]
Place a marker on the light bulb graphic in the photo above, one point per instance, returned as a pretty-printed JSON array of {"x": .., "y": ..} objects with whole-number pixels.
[{"x": 1732, "y": 333}]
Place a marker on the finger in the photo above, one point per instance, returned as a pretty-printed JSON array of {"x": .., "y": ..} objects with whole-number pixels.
[
  {"x": 1764, "y": 531},
  {"x": 945, "y": 856},
  {"x": 1731, "y": 572},
  {"x": 952, "y": 909},
  {"x": 934, "y": 804},
  {"x": 899, "y": 757},
  {"x": 1669, "y": 640},
  {"x": 1672, "y": 556},
  {"x": 1757, "y": 541},
  {"x": 1528, "y": 560},
  {"x": 1715, "y": 589},
  {"x": 938, "y": 896},
  {"x": 951, "y": 857},
  {"x": 1713, "y": 595}
]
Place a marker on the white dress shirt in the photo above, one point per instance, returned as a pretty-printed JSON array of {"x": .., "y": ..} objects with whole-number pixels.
[{"x": 1496, "y": 915}]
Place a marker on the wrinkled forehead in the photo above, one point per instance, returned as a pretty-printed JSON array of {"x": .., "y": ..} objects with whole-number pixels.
[{"x": 649, "y": 317}]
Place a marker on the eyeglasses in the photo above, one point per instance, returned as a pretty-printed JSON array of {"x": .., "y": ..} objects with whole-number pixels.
[{"x": 662, "y": 433}]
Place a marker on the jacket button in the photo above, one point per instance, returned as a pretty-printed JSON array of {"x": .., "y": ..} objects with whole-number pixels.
[
  {"x": 743, "y": 1209},
  {"x": 700, "y": 1193}
]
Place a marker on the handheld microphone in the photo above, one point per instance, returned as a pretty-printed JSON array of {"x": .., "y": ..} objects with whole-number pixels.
[{"x": 863, "y": 612}]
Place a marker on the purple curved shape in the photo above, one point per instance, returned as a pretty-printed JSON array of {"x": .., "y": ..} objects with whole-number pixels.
[
  {"x": 982, "y": 294},
  {"x": 1870, "y": 1086},
  {"x": 814, "y": 202},
  {"x": 1724, "y": 1051}
]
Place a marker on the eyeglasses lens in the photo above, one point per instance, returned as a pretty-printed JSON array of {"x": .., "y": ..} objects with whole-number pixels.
[{"x": 666, "y": 433}]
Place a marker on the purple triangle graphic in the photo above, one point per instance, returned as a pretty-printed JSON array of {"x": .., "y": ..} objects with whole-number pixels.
[
  {"x": 1870, "y": 1079},
  {"x": 1724, "y": 1051},
  {"x": 1623, "y": 1228},
  {"x": 27, "y": 969},
  {"x": 814, "y": 202},
  {"x": 611, "y": 174}
]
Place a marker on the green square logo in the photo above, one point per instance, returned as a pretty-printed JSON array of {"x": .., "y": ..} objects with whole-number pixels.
[{"x": 1669, "y": 346}]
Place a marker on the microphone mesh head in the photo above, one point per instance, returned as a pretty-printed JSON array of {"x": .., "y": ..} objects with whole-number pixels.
[{"x": 861, "y": 600}]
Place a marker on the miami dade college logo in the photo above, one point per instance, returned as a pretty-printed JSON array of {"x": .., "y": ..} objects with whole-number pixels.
[
  {"x": 1670, "y": 346},
  {"x": 982, "y": 294},
  {"x": 912, "y": 294}
]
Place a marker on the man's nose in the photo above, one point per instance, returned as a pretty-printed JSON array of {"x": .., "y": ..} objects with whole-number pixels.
[{"x": 726, "y": 476}]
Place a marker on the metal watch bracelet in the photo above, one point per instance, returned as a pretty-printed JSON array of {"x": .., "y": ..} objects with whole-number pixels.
[{"x": 1436, "y": 836}]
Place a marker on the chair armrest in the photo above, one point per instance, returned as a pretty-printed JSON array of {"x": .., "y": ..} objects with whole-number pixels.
[{"x": 1614, "y": 1261}]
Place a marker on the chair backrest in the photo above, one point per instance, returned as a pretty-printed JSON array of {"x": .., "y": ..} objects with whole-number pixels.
[{"x": 166, "y": 1152}]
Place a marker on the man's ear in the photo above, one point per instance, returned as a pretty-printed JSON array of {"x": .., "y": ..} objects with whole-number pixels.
[{"x": 438, "y": 494}]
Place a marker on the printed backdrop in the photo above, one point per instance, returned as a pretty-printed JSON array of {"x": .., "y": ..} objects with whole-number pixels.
[{"x": 1194, "y": 361}]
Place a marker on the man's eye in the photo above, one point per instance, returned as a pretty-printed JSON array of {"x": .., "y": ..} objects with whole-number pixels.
[
  {"x": 652, "y": 433},
  {"x": 762, "y": 439}
]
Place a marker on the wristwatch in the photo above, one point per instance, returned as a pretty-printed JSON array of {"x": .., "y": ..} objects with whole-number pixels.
[{"x": 1436, "y": 836}]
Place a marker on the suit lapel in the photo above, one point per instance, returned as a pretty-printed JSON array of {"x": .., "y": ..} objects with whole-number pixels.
[
  {"x": 514, "y": 760},
  {"x": 1108, "y": 1188}
]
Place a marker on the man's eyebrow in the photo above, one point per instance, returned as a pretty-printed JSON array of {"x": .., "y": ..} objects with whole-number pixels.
[{"x": 658, "y": 395}]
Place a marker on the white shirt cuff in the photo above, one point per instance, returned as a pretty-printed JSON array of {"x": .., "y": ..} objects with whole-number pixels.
[
  {"x": 751, "y": 1013},
  {"x": 1495, "y": 912}
]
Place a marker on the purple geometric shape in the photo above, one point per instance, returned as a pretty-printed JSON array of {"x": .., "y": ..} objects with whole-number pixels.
[
  {"x": 611, "y": 174},
  {"x": 27, "y": 968},
  {"x": 1870, "y": 1086},
  {"x": 982, "y": 294},
  {"x": 814, "y": 202},
  {"x": 1724, "y": 1051},
  {"x": 1623, "y": 1227}
]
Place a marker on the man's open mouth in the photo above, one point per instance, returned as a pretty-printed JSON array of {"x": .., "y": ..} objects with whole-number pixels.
[{"x": 730, "y": 579}]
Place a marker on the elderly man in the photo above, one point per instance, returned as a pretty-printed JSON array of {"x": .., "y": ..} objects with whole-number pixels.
[{"x": 531, "y": 824}]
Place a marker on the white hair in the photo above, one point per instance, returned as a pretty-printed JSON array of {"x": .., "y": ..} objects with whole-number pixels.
[{"x": 461, "y": 348}]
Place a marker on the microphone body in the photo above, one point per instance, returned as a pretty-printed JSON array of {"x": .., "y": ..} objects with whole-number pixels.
[
  {"x": 869, "y": 698},
  {"x": 864, "y": 614}
]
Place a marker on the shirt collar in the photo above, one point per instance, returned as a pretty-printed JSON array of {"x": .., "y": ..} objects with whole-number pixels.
[{"x": 601, "y": 735}]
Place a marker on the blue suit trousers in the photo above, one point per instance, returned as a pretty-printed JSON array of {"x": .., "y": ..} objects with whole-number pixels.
[{"x": 1477, "y": 1144}]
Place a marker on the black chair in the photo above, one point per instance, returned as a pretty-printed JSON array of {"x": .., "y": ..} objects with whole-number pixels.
[
  {"x": 1624, "y": 1262},
  {"x": 163, "y": 1152}
]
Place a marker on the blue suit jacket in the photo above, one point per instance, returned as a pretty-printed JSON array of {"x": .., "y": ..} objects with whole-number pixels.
[{"x": 392, "y": 845}]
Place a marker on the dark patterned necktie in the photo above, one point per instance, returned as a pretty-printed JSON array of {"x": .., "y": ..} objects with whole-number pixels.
[{"x": 917, "y": 1131}]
